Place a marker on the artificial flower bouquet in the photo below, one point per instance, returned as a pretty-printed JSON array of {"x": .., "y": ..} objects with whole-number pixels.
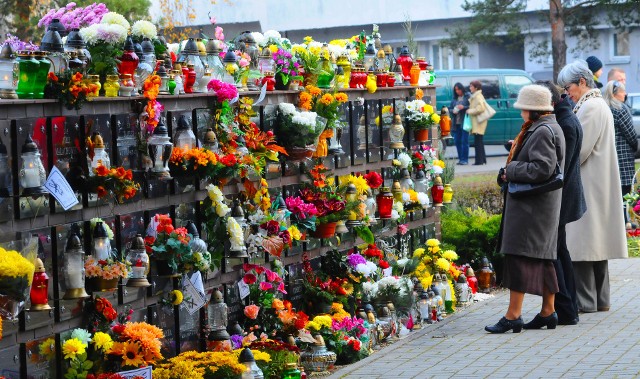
[
  {"x": 322, "y": 192},
  {"x": 106, "y": 269},
  {"x": 326, "y": 105},
  {"x": 303, "y": 214},
  {"x": 203, "y": 163},
  {"x": 297, "y": 130},
  {"x": 420, "y": 115},
  {"x": 280, "y": 353},
  {"x": 433, "y": 259},
  {"x": 286, "y": 65},
  {"x": 72, "y": 16},
  {"x": 205, "y": 365},
  {"x": 69, "y": 88},
  {"x": 351, "y": 339},
  {"x": 16, "y": 275},
  {"x": 105, "y": 41},
  {"x": 117, "y": 182},
  {"x": 170, "y": 245}
]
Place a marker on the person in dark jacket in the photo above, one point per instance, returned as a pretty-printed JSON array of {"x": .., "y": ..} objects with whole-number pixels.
[
  {"x": 595, "y": 65},
  {"x": 614, "y": 94},
  {"x": 573, "y": 203},
  {"x": 458, "y": 108},
  {"x": 528, "y": 257}
]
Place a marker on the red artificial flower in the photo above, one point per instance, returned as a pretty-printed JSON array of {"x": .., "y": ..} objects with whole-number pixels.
[
  {"x": 383, "y": 264},
  {"x": 229, "y": 160},
  {"x": 301, "y": 320},
  {"x": 101, "y": 191},
  {"x": 102, "y": 170},
  {"x": 374, "y": 180},
  {"x": 272, "y": 227},
  {"x": 265, "y": 286},
  {"x": 249, "y": 278},
  {"x": 118, "y": 328}
]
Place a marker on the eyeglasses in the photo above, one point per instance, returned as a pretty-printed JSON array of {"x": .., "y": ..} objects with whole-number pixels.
[{"x": 566, "y": 88}]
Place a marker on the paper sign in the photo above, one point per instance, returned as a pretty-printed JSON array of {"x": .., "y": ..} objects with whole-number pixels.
[
  {"x": 194, "y": 298},
  {"x": 196, "y": 280},
  {"x": 244, "y": 289},
  {"x": 144, "y": 372},
  {"x": 60, "y": 189},
  {"x": 263, "y": 94}
]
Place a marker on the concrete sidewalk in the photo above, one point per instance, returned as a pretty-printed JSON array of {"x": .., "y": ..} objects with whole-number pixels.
[{"x": 603, "y": 344}]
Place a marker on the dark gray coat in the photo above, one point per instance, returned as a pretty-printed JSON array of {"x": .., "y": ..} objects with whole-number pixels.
[
  {"x": 530, "y": 224},
  {"x": 573, "y": 203}
]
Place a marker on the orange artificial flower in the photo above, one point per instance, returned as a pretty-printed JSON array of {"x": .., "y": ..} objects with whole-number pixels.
[
  {"x": 76, "y": 77},
  {"x": 251, "y": 311},
  {"x": 101, "y": 170},
  {"x": 120, "y": 173},
  {"x": 277, "y": 304},
  {"x": 101, "y": 192},
  {"x": 313, "y": 90},
  {"x": 342, "y": 97},
  {"x": 52, "y": 77},
  {"x": 128, "y": 175},
  {"x": 326, "y": 99},
  {"x": 419, "y": 94}
]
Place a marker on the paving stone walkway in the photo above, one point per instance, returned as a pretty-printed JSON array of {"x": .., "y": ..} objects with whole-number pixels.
[{"x": 602, "y": 345}]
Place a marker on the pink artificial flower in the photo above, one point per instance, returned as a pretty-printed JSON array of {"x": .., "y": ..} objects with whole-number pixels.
[
  {"x": 243, "y": 63},
  {"x": 281, "y": 288},
  {"x": 271, "y": 276},
  {"x": 403, "y": 229},
  {"x": 265, "y": 286},
  {"x": 219, "y": 33},
  {"x": 212, "y": 20}
]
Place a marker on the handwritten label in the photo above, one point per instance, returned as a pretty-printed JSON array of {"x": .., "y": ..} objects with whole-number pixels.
[
  {"x": 60, "y": 189},
  {"x": 144, "y": 372},
  {"x": 244, "y": 289},
  {"x": 194, "y": 296}
]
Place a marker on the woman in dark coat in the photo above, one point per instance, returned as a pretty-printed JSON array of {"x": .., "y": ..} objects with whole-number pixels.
[
  {"x": 458, "y": 109},
  {"x": 614, "y": 94},
  {"x": 573, "y": 203},
  {"x": 530, "y": 224}
]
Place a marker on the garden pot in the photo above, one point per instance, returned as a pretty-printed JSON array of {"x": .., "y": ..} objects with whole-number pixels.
[
  {"x": 326, "y": 230},
  {"x": 101, "y": 285},
  {"x": 421, "y": 135},
  {"x": 300, "y": 153}
]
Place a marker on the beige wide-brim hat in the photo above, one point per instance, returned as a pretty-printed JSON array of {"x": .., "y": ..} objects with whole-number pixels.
[{"x": 534, "y": 98}]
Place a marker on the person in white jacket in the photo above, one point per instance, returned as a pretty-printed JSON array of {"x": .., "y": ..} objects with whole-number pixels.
[{"x": 600, "y": 234}]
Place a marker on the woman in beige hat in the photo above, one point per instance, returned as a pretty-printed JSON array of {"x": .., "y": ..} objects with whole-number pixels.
[{"x": 529, "y": 227}]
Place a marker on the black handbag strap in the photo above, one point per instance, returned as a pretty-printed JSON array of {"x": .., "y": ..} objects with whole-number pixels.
[{"x": 558, "y": 169}]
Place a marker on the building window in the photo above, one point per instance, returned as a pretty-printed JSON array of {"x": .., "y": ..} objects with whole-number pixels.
[
  {"x": 446, "y": 59},
  {"x": 621, "y": 44}
]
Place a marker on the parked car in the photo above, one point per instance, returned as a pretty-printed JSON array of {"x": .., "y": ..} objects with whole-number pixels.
[
  {"x": 634, "y": 101},
  {"x": 500, "y": 88}
]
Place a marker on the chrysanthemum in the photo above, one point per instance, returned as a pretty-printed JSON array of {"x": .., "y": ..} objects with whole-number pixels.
[
  {"x": 72, "y": 348},
  {"x": 102, "y": 341}
]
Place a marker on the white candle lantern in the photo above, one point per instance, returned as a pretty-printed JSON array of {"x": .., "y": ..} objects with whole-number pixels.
[
  {"x": 101, "y": 243},
  {"x": 138, "y": 262},
  {"x": 32, "y": 175},
  {"x": 74, "y": 274},
  {"x": 184, "y": 137},
  {"x": 8, "y": 73},
  {"x": 160, "y": 148},
  {"x": 100, "y": 155},
  {"x": 217, "y": 313},
  {"x": 213, "y": 59},
  {"x": 369, "y": 57}
]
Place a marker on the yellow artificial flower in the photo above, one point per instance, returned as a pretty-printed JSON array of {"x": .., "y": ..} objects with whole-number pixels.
[
  {"x": 360, "y": 182},
  {"x": 295, "y": 232},
  {"x": 307, "y": 39},
  {"x": 312, "y": 326},
  {"x": 326, "y": 99},
  {"x": 443, "y": 264},
  {"x": 72, "y": 348},
  {"x": 132, "y": 356},
  {"x": 450, "y": 255},
  {"x": 427, "y": 108},
  {"x": 413, "y": 195},
  {"x": 421, "y": 267},
  {"x": 273, "y": 48},
  {"x": 433, "y": 242},
  {"x": 338, "y": 42},
  {"x": 435, "y": 118},
  {"x": 324, "y": 321},
  {"x": 13, "y": 264},
  {"x": 47, "y": 347},
  {"x": 418, "y": 252},
  {"x": 395, "y": 162},
  {"x": 176, "y": 297},
  {"x": 439, "y": 163},
  {"x": 102, "y": 341}
]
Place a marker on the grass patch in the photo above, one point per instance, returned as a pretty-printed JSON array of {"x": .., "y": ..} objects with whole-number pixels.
[{"x": 475, "y": 179}]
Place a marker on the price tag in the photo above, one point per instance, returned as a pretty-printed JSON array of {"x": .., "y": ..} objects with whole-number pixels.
[
  {"x": 194, "y": 298},
  {"x": 144, "y": 373},
  {"x": 60, "y": 189},
  {"x": 244, "y": 289}
]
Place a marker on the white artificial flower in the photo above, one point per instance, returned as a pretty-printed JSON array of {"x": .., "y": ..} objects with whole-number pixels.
[
  {"x": 272, "y": 35},
  {"x": 259, "y": 38},
  {"x": 394, "y": 214},
  {"x": 257, "y": 217},
  {"x": 81, "y": 334},
  {"x": 173, "y": 47},
  {"x": 386, "y": 282},
  {"x": 437, "y": 170},
  {"x": 405, "y": 160},
  {"x": 114, "y": 34},
  {"x": 366, "y": 269},
  {"x": 402, "y": 262},
  {"x": 423, "y": 199},
  {"x": 370, "y": 289},
  {"x": 143, "y": 28},
  {"x": 236, "y": 235},
  {"x": 287, "y": 108},
  {"x": 397, "y": 205},
  {"x": 335, "y": 50},
  {"x": 115, "y": 18},
  {"x": 90, "y": 34},
  {"x": 406, "y": 198}
]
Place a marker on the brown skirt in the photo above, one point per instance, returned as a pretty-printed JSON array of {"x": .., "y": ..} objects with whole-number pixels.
[{"x": 529, "y": 275}]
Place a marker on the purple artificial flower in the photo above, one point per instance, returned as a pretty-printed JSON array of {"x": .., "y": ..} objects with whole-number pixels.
[
  {"x": 236, "y": 341},
  {"x": 356, "y": 259}
]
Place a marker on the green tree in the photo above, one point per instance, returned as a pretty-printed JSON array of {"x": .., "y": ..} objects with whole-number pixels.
[
  {"x": 20, "y": 17},
  {"x": 503, "y": 21}
]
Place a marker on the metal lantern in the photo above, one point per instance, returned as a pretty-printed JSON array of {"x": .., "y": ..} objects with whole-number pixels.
[
  {"x": 463, "y": 293},
  {"x": 421, "y": 184},
  {"x": 238, "y": 215},
  {"x": 381, "y": 62},
  {"x": 405, "y": 62},
  {"x": 40, "y": 288},
  {"x": 8, "y": 73},
  {"x": 129, "y": 60},
  {"x": 32, "y": 175},
  {"x": 211, "y": 141},
  {"x": 341, "y": 227},
  {"x": 265, "y": 62},
  {"x": 160, "y": 148},
  {"x": 370, "y": 202},
  {"x": 101, "y": 242},
  {"x": 424, "y": 307},
  {"x": 213, "y": 59},
  {"x": 217, "y": 313},
  {"x": 396, "y": 190},
  {"x": 197, "y": 244},
  {"x": 52, "y": 45},
  {"x": 396, "y": 133},
  {"x": 389, "y": 56},
  {"x": 5, "y": 171},
  {"x": 230, "y": 66},
  {"x": 100, "y": 155},
  {"x": 352, "y": 196},
  {"x": 405, "y": 182},
  {"x": 184, "y": 137},
  {"x": 282, "y": 213},
  {"x": 191, "y": 55},
  {"x": 138, "y": 261},
  {"x": 247, "y": 359},
  {"x": 74, "y": 274},
  {"x": 164, "y": 80}
]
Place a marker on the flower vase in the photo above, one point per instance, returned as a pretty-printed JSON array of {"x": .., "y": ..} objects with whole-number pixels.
[
  {"x": 326, "y": 230},
  {"x": 317, "y": 359},
  {"x": 297, "y": 154},
  {"x": 96, "y": 284},
  {"x": 280, "y": 84},
  {"x": 323, "y": 147},
  {"x": 421, "y": 135}
]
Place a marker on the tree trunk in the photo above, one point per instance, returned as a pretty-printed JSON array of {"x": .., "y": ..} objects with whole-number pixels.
[{"x": 558, "y": 42}]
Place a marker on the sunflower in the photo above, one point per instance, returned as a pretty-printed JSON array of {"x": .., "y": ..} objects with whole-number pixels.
[
  {"x": 72, "y": 348},
  {"x": 176, "y": 297},
  {"x": 132, "y": 355}
]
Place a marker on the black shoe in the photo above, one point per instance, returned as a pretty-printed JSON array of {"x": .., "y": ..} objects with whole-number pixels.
[
  {"x": 479, "y": 164},
  {"x": 505, "y": 325},
  {"x": 538, "y": 322},
  {"x": 569, "y": 322}
]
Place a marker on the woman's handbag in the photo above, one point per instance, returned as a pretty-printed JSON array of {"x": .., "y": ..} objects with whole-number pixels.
[
  {"x": 487, "y": 113},
  {"x": 466, "y": 124},
  {"x": 556, "y": 181}
]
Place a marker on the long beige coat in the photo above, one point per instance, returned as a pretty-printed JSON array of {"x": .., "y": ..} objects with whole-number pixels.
[
  {"x": 477, "y": 106},
  {"x": 600, "y": 234}
]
